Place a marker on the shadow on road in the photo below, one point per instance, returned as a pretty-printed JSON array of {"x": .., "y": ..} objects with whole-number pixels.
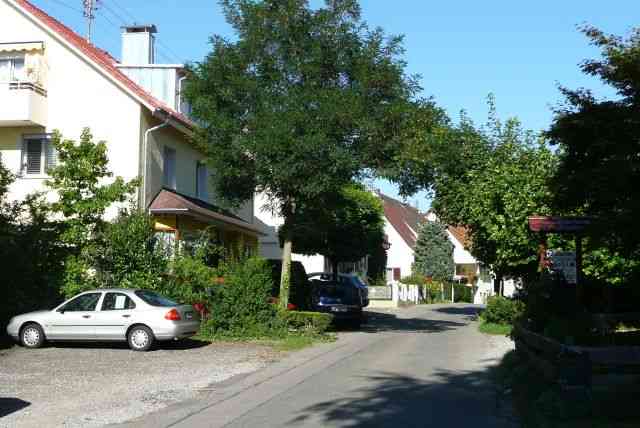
[
  {"x": 384, "y": 322},
  {"x": 10, "y": 405},
  {"x": 470, "y": 312},
  {"x": 180, "y": 345},
  {"x": 450, "y": 399}
]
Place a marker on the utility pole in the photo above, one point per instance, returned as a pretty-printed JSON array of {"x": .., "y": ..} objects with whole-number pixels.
[{"x": 90, "y": 6}]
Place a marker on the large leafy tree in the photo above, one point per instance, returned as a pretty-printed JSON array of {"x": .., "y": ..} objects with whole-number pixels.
[
  {"x": 599, "y": 142},
  {"x": 301, "y": 103},
  {"x": 489, "y": 179},
  {"x": 434, "y": 252},
  {"x": 345, "y": 228}
]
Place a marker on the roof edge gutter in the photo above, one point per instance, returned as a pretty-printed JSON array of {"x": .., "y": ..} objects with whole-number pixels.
[{"x": 166, "y": 116}]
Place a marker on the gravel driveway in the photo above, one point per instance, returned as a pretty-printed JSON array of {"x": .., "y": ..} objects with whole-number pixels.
[{"x": 93, "y": 385}]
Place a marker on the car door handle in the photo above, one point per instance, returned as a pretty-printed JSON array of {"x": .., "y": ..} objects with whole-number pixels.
[
  {"x": 86, "y": 316},
  {"x": 126, "y": 316}
]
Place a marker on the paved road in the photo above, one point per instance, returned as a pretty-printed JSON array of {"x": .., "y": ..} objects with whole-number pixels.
[{"x": 419, "y": 367}]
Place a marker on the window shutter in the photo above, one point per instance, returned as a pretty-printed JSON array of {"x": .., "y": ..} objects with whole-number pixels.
[
  {"x": 169, "y": 164},
  {"x": 33, "y": 161},
  {"x": 201, "y": 182},
  {"x": 51, "y": 155}
]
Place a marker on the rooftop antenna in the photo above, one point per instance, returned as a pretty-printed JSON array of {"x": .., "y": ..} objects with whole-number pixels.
[{"x": 90, "y": 6}]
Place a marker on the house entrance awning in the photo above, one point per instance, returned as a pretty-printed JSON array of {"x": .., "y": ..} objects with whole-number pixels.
[{"x": 170, "y": 202}]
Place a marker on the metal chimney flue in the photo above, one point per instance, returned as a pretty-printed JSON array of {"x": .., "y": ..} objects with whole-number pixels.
[{"x": 138, "y": 44}]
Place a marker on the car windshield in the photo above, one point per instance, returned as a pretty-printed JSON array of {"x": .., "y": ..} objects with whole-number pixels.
[
  {"x": 331, "y": 289},
  {"x": 154, "y": 299},
  {"x": 359, "y": 281}
]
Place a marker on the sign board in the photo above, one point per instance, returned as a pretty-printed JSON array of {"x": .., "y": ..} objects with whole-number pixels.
[
  {"x": 558, "y": 224},
  {"x": 564, "y": 262}
]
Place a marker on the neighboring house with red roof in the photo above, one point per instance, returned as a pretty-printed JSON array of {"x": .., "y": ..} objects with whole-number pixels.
[
  {"x": 402, "y": 224},
  {"x": 53, "y": 79}
]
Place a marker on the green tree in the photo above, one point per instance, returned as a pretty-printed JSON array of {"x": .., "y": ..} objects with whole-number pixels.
[
  {"x": 345, "y": 229},
  {"x": 79, "y": 180},
  {"x": 490, "y": 179},
  {"x": 599, "y": 144},
  {"x": 434, "y": 252},
  {"x": 83, "y": 198},
  {"x": 30, "y": 251},
  {"x": 303, "y": 102},
  {"x": 127, "y": 254}
]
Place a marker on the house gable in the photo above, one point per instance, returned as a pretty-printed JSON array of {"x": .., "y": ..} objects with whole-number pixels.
[{"x": 99, "y": 59}]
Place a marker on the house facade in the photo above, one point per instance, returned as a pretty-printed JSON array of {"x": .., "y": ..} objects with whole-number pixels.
[{"x": 53, "y": 79}]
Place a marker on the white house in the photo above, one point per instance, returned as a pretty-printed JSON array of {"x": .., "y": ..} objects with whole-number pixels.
[
  {"x": 53, "y": 79},
  {"x": 270, "y": 248}
]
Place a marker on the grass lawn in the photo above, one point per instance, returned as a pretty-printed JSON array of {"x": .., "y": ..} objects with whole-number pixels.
[
  {"x": 295, "y": 342},
  {"x": 288, "y": 343},
  {"x": 492, "y": 328}
]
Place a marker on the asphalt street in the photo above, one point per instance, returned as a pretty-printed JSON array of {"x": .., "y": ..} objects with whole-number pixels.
[{"x": 425, "y": 366}]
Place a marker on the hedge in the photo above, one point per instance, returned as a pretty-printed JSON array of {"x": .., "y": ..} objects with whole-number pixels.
[{"x": 308, "y": 322}]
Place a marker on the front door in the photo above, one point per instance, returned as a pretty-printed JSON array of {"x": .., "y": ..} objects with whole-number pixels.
[
  {"x": 114, "y": 317},
  {"x": 75, "y": 319}
]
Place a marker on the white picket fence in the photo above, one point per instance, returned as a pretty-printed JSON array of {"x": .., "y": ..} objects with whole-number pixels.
[{"x": 401, "y": 294}]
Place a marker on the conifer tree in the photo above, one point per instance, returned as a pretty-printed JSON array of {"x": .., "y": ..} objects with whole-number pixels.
[{"x": 434, "y": 252}]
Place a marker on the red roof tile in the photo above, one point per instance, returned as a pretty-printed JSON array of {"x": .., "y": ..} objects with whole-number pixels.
[
  {"x": 404, "y": 218},
  {"x": 102, "y": 58},
  {"x": 460, "y": 233}
]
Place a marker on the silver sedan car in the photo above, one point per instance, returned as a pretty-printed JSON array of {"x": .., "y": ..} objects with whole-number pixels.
[{"x": 139, "y": 317}]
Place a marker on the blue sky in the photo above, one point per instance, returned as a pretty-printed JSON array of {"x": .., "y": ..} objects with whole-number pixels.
[{"x": 518, "y": 50}]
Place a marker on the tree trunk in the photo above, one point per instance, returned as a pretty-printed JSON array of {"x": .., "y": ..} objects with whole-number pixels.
[
  {"x": 334, "y": 269},
  {"x": 497, "y": 284},
  {"x": 285, "y": 275}
]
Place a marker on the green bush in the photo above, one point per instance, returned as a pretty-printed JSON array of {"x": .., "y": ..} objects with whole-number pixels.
[
  {"x": 300, "y": 289},
  {"x": 240, "y": 307},
  {"x": 307, "y": 322},
  {"x": 128, "y": 255},
  {"x": 463, "y": 293},
  {"x": 190, "y": 280},
  {"x": 414, "y": 278},
  {"x": 32, "y": 255},
  {"x": 501, "y": 310}
]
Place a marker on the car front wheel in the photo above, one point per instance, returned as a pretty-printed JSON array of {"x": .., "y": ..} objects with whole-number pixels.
[
  {"x": 140, "y": 338},
  {"x": 32, "y": 336}
]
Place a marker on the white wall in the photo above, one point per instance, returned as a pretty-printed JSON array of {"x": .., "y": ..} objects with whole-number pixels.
[
  {"x": 460, "y": 255},
  {"x": 399, "y": 255},
  {"x": 269, "y": 221}
]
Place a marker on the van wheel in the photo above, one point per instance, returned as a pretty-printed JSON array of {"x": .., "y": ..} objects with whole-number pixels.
[
  {"x": 32, "y": 336},
  {"x": 140, "y": 338}
]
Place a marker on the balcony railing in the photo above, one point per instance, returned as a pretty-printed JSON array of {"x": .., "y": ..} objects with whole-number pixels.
[
  {"x": 28, "y": 86},
  {"x": 22, "y": 104}
]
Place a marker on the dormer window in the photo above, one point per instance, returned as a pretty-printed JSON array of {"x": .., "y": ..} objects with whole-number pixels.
[{"x": 12, "y": 68}]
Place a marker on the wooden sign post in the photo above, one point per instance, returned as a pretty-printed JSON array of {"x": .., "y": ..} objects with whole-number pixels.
[{"x": 561, "y": 225}]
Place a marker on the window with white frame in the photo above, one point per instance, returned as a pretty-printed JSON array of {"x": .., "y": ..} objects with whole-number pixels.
[
  {"x": 39, "y": 155},
  {"x": 11, "y": 68},
  {"x": 169, "y": 171},
  {"x": 201, "y": 181}
]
